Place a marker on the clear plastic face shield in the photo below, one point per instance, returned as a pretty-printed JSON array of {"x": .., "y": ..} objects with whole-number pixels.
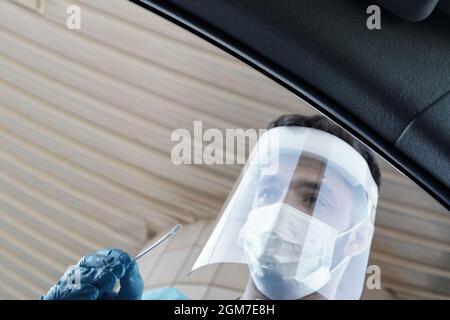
[{"x": 301, "y": 216}]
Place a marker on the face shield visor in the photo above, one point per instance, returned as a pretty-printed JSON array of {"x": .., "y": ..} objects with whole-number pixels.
[{"x": 301, "y": 216}]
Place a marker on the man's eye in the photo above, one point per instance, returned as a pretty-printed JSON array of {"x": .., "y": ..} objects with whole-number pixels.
[
  {"x": 309, "y": 200},
  {"x": 315, "y": 201}
]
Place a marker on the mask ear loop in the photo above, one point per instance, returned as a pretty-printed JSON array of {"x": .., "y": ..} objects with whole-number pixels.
[
  {"x": 359, "y": 225},
  {"x": 340, "y": 267},
  {"x": 369, "y": 220},
  {"x": 367, "y": 207},
  {"x": 347, "y": 258},
  {"x": 366, "y": 223}
]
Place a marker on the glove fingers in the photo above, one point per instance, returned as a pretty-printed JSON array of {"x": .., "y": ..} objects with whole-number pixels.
[
  {"x": 82, "y": 283},
  {"x": 114, "y": 260},
  {"x": 69, "y": 277},
  {"x": 86, "y": 292},
  {"x": 116, "y": 254},
  {"x": 95, "y": 275},
  {"x": 131, "y": 284},
  {"x": 72, "y": 292},
  {"x": 119, "y": 255},
  {"x": 102, "y": 279}
]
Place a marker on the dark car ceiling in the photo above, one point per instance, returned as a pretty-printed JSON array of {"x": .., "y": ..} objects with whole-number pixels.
[
  {"x": 389, "y": 87},
  {"x": 411, "y": 10}
]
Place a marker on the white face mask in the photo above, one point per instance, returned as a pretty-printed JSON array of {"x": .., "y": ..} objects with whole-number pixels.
[{"x": 289, "y": 252}]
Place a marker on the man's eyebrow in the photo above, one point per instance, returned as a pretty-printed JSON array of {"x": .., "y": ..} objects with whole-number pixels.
[
  {"x": 313, "y": 185},
  {"x": 307, "y": 184}
]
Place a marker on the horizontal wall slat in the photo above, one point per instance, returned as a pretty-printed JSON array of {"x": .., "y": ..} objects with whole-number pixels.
[
  {"x": 79, "y": 200},
  {"x": 127, "y": 175},
  {"x": 413, "y": 274},
  {"x": 152, "y": 108},
  {"x": 182, "y": 89},
  {"x": 134, "y": 14},
  {"x": 411, "y": 247},
  {"x": 100, "y": 187},
  {"x": 111, "y": 145},
  {"x": 221, "y": 71}
]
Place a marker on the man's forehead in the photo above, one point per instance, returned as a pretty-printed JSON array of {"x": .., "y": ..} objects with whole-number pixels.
[
  {"x": 290, "y": 164},
  {"x": 307, "y": 168}
]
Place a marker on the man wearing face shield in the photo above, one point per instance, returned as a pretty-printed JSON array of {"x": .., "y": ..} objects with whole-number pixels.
[{"x": 301, "y": 215}]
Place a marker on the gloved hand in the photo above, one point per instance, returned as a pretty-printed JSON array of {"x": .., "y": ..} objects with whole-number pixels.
[{"x": 94, "y": 278}]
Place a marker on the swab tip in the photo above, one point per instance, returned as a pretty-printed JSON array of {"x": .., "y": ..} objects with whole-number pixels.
[{"x": 175, "y": 229}]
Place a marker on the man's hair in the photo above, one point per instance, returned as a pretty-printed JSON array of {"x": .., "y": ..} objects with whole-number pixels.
[{"x": 321, "y": 123}]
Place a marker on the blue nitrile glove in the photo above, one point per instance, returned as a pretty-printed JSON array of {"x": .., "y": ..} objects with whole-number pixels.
[{"x": 94, "y": 278}]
